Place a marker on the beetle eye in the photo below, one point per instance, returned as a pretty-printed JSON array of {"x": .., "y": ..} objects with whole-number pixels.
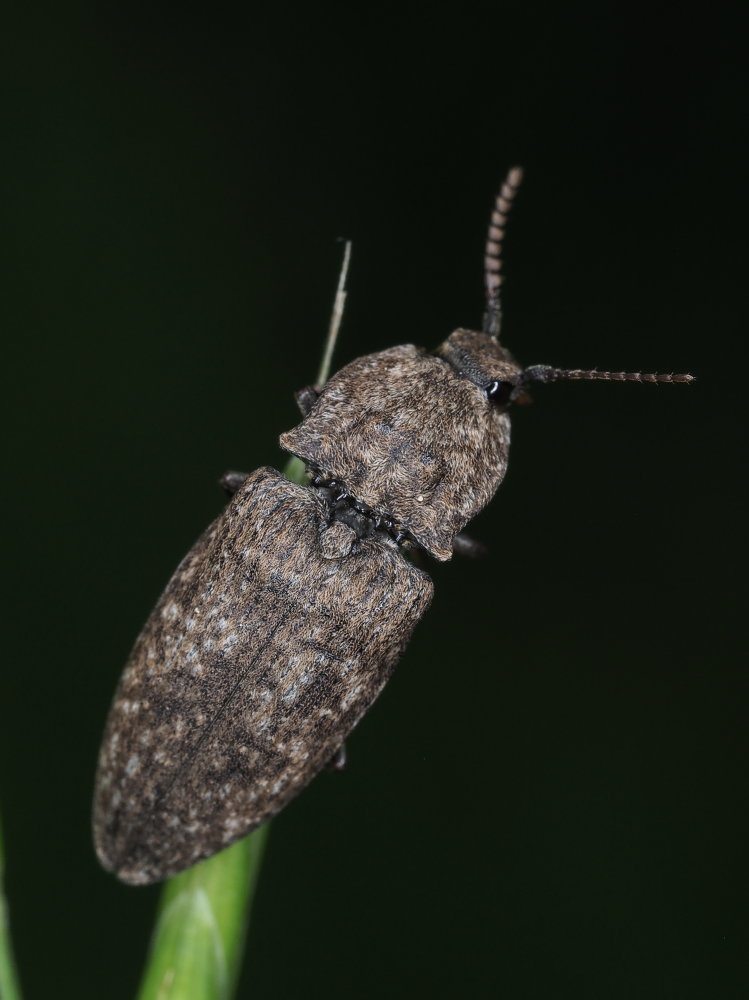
[{"x": 499, "y": 392}]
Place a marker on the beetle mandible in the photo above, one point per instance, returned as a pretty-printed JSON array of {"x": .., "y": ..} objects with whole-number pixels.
[{"x": 282, "y": 624}]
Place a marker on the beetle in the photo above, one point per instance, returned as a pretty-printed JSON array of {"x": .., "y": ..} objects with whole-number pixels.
[{"x": 282, "y": 624}]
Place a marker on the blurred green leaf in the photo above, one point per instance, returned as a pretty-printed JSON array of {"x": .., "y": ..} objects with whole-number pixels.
[{"x": 9, "y": 988}]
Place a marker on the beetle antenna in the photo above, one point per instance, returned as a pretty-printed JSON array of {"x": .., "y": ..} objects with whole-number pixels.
[
  {"x": 545, "y": 373},
  {"x": 493, "y": 252},
  {"x": 336, "y": 317}
]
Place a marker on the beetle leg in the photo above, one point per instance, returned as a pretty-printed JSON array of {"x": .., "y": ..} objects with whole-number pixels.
[
  {"x": 306, "y": 398},
  {"x": 231, "y": 481},
  {"x": 464, "y": 545},
  {"x": 338, "y": 760}
]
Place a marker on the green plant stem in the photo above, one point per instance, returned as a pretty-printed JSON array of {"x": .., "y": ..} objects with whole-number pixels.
[
  {"x": 203, "y": 915},
  {"x": 9, "y": 988},
  {"x": 204, "y": 912}
]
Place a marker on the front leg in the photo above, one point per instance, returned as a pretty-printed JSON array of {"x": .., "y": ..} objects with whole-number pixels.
[
  {"x": 464, "y": 545},
  {"x": 338, "y": 761},
  {"x": 306, "y": 398},
  {"x": 231, "y": 481}
]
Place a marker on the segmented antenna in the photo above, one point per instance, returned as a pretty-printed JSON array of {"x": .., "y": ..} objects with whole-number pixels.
[
  {"x": 493, "y": 252},
  {"x": 336, "y": 317},
  {"x": 545, "y": 373}
]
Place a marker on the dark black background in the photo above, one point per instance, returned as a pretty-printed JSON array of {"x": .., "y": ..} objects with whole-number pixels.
[{"x": 550, "y": 799}]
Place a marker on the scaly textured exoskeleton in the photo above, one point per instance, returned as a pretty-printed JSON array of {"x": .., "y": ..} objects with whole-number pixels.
[{"x": 282, "y": 624}]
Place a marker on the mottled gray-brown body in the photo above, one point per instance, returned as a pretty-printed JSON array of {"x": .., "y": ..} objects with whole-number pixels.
[
  {"x": 283, "y": 623},
  {"x": 414, "y": 436},
  {"x": 272, "y": 639}
]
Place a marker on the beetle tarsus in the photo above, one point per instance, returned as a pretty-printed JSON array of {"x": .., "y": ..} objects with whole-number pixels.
[{"x": 337, "y": 763}]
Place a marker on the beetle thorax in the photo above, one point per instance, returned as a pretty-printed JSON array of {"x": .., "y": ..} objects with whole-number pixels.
[{"x": 413, "y": 437}]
